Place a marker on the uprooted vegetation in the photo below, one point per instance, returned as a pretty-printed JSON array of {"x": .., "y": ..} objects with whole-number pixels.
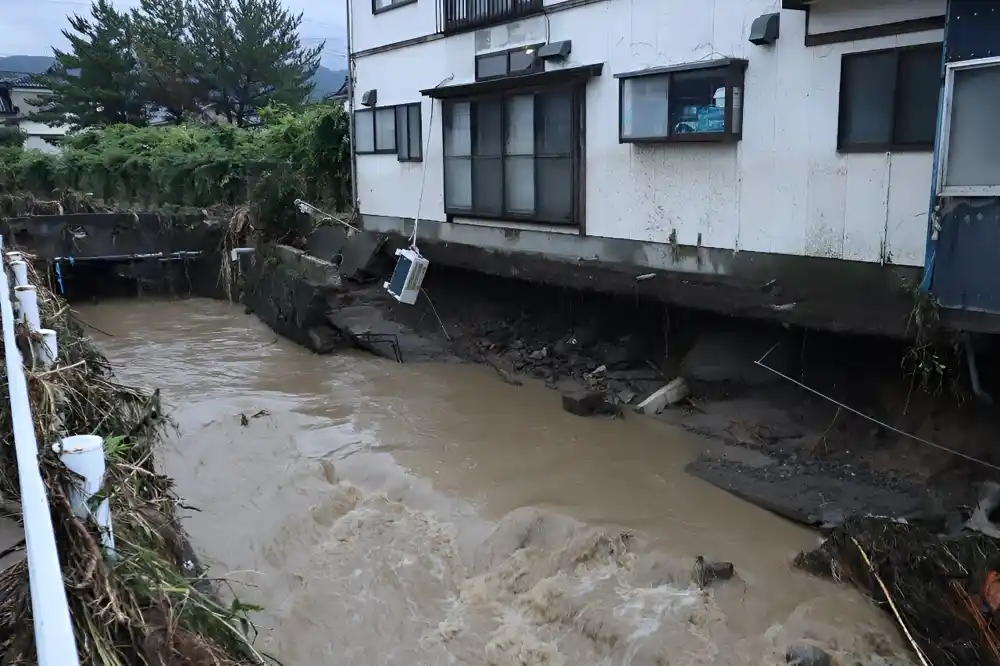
[
  {"x": 150, "y": 604},
  {"x": 302, "y": 155},
  {"x": 943, "y": 592}
]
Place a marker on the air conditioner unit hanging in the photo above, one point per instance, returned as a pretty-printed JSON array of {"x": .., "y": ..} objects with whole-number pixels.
[{"x": 404, "y": 285}]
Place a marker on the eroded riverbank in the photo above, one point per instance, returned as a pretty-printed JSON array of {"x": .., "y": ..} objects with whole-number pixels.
[{"x": 430, "y": 514}]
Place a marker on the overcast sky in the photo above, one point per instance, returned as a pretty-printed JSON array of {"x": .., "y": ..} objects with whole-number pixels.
[{"x": 32, "y": 27}]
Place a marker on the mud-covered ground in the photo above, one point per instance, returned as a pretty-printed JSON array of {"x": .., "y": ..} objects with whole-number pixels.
[{"x": 814, "y": 460}]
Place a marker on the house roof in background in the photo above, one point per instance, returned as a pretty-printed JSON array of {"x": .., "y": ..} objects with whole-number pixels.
[{"x": 20, "y": 80}]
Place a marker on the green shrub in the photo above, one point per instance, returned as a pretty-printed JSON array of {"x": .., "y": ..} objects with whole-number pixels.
[{"x": 294, "y": 155}]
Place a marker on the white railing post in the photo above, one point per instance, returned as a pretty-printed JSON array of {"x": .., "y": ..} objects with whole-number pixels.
[
  {"x": 27, "y": 306},
  {"x": 54, "y": 639},
  {"x": 84, "y": 455},
  {"x": 20, "y": 270}
]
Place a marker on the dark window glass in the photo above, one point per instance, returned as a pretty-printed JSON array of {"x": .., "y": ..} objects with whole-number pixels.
[
  {"x": 364, "y": 131},
  {"x": 917, "y": 93},
  {"x": 489, "y": 128},
  {"x": 487, "y": 185},
  {"x": 697, "y": 102},
  {"x": 522, "y": 163},
  {"x": 889, "y": 99},
  {"x": 408, "y": 146},
  {"x": 491, "y": 66},
  {"x": 866, "y": 116},
  {"x": 555, "y": 121},
  {"x": 385, "y": 130},
  {"x": 554, "y": 194},
  {"x": 522, "y": 61}
]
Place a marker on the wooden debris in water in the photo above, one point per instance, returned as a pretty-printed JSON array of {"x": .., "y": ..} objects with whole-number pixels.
[{"x": 939, "y": 590}]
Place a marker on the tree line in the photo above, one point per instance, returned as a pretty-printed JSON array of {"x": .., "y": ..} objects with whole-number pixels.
[{"x": 175, "y": 60}]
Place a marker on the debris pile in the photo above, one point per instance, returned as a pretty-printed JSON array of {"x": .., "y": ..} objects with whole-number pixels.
[
  {"x": 943, "y": 592},
  {"x": 149, "y": 604}
]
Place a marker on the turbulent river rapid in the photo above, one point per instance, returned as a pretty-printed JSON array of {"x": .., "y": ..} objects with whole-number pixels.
[{"x": 431, "y": 514}]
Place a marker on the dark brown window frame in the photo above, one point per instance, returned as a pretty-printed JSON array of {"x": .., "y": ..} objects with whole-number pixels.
[
  {"x": 395, "y": 133},
  {"x": 536, "y": 67},
  {"x": 577, "y": 93},
  {"x": 396, "y": 4},
  {"x": 375, "y": 150},
  {"x": 420, "y": 131},
  {"x": 735, "y": 70},
  {"x": 891, "y": 146}
]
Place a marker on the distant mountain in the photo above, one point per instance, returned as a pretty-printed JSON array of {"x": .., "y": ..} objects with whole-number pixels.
[
  {"x": 28, "y": 64},
  {"x": 326, "y": 81}
]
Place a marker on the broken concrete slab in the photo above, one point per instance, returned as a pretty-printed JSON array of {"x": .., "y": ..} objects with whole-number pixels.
[
  {"x": 670, "y": 394},
  {"x": 811, "y": 492},
  {"x": 327, "y": 242},
  {"x": 584, "y": 402},
  {"x": 360, "y": 251},
  {"x": 364, "y": 316},
  {"x": 317, "y": 271},
  {"x": 294, "y": 306}
]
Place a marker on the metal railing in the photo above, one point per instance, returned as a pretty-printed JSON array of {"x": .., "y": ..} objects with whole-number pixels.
[
  {"x": 54, "y": 640},
  {"x": 459, "y": 15}
]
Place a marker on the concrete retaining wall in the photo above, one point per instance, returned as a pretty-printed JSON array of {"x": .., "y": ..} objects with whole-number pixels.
[{"x": 288, "y": 290}]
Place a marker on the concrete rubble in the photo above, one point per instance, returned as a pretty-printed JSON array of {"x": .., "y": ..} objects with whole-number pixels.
[{"x": 670, "y": 394}]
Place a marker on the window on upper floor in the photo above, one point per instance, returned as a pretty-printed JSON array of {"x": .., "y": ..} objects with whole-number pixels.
[
  {"x": 514, "y": 156},
  {"x": 386, "y": 5},
  {"x": 389, "y": 129},
  {"x": 683, "y": 103},
  {"x": 514, "y": 62},
  {"x": 889, "y": 99}
]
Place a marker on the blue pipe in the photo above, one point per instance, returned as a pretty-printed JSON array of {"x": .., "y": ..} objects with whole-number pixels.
[
  {"x": 930, "y": 249},
  {"x": 59, "y": 275}
]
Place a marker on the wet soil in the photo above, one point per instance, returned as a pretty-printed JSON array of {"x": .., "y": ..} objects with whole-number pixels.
[{"x": 819, "y": 462}]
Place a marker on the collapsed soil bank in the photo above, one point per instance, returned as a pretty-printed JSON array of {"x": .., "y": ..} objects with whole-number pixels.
[{"x": 802, "y": 455}]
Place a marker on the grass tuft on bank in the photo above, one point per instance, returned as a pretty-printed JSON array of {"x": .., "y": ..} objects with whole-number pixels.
[{"x": 152, "y": 603}]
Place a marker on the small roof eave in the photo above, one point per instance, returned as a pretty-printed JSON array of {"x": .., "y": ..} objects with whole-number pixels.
[{"x": 541, "y": 79}]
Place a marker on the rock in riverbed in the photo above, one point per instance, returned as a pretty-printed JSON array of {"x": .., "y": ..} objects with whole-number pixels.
[{"x": 807, "y": 655}]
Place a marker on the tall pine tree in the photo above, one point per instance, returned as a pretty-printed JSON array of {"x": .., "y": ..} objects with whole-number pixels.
[
  {"x": 252, "y": 56},
  {"x": 167, "y": 66},
  {"x": 97, "y": 81},
  {"x": 178, "y": 58}
]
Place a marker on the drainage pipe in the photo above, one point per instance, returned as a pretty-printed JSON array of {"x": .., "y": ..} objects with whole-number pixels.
[
  {"x": 126, "y": 257},
  {"x": 54, "y": 639},
  {"x": 970, "y": 357}
]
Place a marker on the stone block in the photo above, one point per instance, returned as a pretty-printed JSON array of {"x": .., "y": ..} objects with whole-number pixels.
[{"x": 584, "y": 402}]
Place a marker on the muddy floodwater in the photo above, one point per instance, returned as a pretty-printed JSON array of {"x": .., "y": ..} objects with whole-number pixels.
[{"x": 432, "y": 514}]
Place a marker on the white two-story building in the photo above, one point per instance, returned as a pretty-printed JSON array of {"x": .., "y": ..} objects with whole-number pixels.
[
  {"x": 18, "y": 92},
  {"x": 757, "y": 157}
]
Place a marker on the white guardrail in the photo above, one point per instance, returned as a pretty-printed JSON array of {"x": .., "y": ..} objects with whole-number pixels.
[{"x": 54, "y": 640}]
